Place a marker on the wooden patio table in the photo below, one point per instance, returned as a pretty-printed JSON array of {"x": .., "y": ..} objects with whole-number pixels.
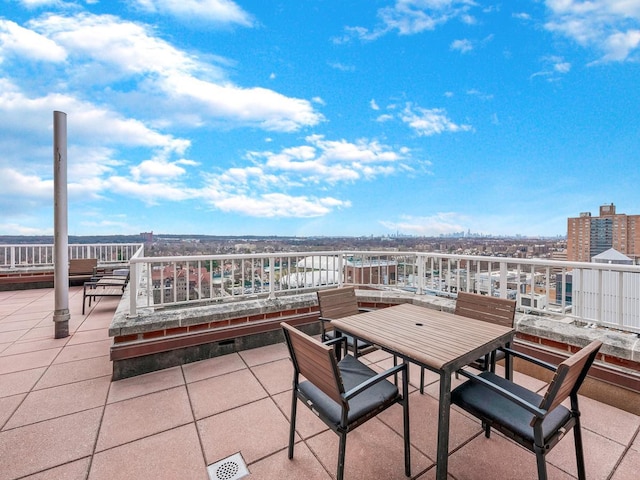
[{"x": 439, "y": 341}]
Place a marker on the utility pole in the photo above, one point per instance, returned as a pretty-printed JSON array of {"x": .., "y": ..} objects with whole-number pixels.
[{"x": 60, "y": 226}]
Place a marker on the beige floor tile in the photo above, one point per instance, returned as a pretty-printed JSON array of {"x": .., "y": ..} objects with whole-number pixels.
[
  {"x": 276, "y": 377},
  {"x": 35, "y": 345},
  {"x": 497, "y": 457},
  {"x": 423, "y": 412},
  {"x": 88, "y": 336},
  {"x": 70, "y": 372},
  {"x": 217, "y": 394},
  {"x": 600, "y": 455},
  {"x": 77, "y": 470},
  {"x": 270, "y": 353},
  {"x": 84, "y": 350},
  {"x": 8, "y": 405},
  {"x": 11, "y": 324},
  {"x": 47, "y": 444},
  {"x": 373, "y": 450},
  {"x": 27, "y": 361},
  {"x": 140, "y": 417},
  {"x": 304, "y": 465},
  {"x": 53, "y": 402},
  {"x": 212, "y": 367},
  {"x": 39, "y": 333},
  {"x": 19, "y": 382},
  {"x": 145, "y": 384},
  {"x": 174, "y": 454},
  {"x": 255, "y": 430},
  {"x": 12, "y": 335},
  {"x": 608, "y": 421},
  {"x": 629, "y": 468}
]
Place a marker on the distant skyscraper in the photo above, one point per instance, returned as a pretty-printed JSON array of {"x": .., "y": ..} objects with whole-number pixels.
[{"x": 589, "y": 236}]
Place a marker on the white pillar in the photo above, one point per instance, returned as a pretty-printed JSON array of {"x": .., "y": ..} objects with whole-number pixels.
[{"x": 60, "y": 226}]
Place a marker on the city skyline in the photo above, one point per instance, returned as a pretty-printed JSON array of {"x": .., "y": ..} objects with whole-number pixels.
[{"x": 320, "y": 118}]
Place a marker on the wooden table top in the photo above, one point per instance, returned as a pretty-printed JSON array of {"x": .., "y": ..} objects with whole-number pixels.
[{"x": 438, "y": 340}]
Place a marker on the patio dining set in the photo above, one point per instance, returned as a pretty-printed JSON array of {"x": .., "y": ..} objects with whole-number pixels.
[{"x": 331, "y": 380}]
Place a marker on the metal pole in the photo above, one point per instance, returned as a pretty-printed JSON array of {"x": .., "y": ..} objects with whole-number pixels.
[{"x": 60, "y": 229}]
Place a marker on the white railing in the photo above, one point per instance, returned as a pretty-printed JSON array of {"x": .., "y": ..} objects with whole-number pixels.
[
  {"x": 35, "y": 256},
  {"x": 566, "y": 289}
]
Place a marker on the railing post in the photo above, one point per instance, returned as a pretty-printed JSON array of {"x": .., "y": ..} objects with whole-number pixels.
[
  {"x": 272, "y": 277},
  {"x": 503, "y": 279},
  {"x": 133, "y": 289},
  {"x": 422, "y": 260}
]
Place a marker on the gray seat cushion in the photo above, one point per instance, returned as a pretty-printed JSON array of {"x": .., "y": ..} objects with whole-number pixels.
[
  {"x": 353, "y": 374},
  {"x": 487, "y": 404}
]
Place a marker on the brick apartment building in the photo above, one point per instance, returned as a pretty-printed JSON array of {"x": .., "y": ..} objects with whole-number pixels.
[{"x": 589, "y": 236}]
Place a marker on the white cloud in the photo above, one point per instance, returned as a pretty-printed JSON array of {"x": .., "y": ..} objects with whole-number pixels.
[
  {"x": 157, "y": 169},
  {"x": 553, "y": 66},
  {"x": 152, "y": 192},
  {"x": 409, "y": 17},
  {"x": 195, "y": 92},
  {"x": 27, "y": 44},
  {"x": 215, "y": 11},
  {"x": 342, "y": 67},
  {"x": 427, "y": 122},
  {"x": 463, "y": 46},
  {"x": 279, "y": 205},
  {"x": 385, "y": 117},
  {"x": 374, "y": 105},
  {"x": 610, "y": 26},
  {"x": 435, "y": 225},
  {"x": 15, "y": 183}
]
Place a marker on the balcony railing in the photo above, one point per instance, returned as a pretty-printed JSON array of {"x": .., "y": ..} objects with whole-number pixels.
[
  {"x": 600, "y": 294},
  {"x": 42, "y": 256}
]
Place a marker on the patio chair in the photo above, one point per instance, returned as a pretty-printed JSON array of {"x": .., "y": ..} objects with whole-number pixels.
[
  {"x": 496, "y": 310},
  {"x": 337, "y": 303},
  {"x": 343, "y": 394},
  {"x": 536, "y": 422}
]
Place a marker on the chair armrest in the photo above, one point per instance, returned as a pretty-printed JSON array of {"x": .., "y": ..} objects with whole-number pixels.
[
  {"x": 530, "y": 407},
  {"x": 339, "y": 339},
  {"x": 529, "y": 358},
  {"x": 373, "y": 380}
]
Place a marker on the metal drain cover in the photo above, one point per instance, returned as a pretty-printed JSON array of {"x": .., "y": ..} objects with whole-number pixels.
[{"x": 230, "y": 468}]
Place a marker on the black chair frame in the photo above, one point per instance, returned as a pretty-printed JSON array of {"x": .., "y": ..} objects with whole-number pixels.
[
  {"x": 344, "y": 425},
  {"x": 543, "y": 439}
]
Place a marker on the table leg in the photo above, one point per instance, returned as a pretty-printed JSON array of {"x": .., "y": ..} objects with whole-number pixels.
[
  {"x": 444, "y": 407},
  {"x": 508, "y": 364}
]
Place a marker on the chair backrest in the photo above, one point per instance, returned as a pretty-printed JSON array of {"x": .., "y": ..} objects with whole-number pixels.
[
  {"x": 337, "y": 303},
  {"x": 484, "y": 307},
  {"x": 569, "y": 376},
  {"x": 315, "y": 361},
  {"x": 82, "y": 266}
]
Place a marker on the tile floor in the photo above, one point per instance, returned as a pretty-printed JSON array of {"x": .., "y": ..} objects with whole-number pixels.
[{"x": 61, "y": 417}]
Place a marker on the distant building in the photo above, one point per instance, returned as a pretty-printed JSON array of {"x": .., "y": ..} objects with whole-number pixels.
[
  {"x": 147, "y": 237},
  {"x": 589, "y": 236}
]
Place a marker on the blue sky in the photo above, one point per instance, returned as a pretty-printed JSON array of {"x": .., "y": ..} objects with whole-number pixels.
[{"x": 320, "y": 117}]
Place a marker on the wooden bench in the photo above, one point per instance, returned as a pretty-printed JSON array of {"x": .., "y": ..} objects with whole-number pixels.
[{"x": 82, "y": 269}]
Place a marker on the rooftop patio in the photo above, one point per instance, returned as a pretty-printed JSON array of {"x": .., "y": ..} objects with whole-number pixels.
[{"x": 61, "y": 416}]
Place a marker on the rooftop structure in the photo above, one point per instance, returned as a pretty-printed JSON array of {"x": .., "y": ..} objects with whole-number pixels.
[{"x": 61, "y": 416}]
